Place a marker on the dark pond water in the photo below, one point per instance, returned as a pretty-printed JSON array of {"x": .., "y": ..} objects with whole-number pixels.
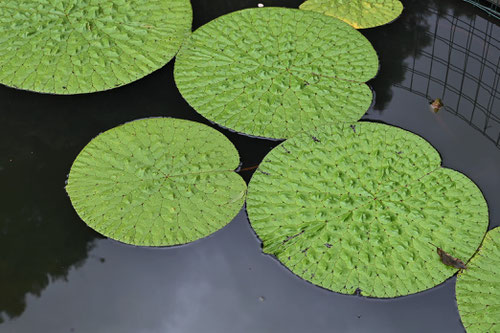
[{"x": 57, "y": 275}]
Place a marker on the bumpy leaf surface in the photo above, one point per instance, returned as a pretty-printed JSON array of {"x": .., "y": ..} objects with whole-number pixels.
[
  {"x": 271, "y": 72},
  {"x": 358, "y": 13},
  {"x": 157, "y": 182},
  {"x": 362, "y": 209},
  {"x": 82, "y": 46},
  {"x": 478, "y": 288}
]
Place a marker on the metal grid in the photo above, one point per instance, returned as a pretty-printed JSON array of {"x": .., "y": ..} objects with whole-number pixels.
[
  {"x": 492, "y": 7},
  {"x": 468, "y": 82}
]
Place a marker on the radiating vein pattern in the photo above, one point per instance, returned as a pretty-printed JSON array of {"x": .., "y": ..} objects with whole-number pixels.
[
  {"x": 478, "y": 288},
  {"x": 271, "y": 72},
  {"x": 157, "y": 182},
  {"x": 363, "y": 207},
  {"x": 82, "y": 46},
  {"x": 358, "y": 13}
]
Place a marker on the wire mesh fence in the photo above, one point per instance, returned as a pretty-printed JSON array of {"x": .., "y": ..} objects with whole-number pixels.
[
  {"x": 492, "y": 7},
  {"x": 461, "y": 66}
]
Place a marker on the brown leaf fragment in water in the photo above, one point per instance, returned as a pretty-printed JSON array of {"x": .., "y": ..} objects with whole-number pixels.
[{"x": 436, "y": 105}]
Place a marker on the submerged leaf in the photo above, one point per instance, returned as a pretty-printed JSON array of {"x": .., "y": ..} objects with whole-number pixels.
[
  {"x": 73, "y": 47},
  {"x": 360, "y": 14},
  {"x": 478, "y": 288},
  {"x": 157, "y": 182},
  {"x": 273, "y": 72},
  {"x": 357, "y": 208}
]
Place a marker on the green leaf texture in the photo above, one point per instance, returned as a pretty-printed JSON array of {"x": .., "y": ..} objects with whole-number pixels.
[
  {"x": 83, "y": 46},
  {"x": 362, "y": 208},
  {"x": 157, "y": 182},
  {"x": 360, "y": 14},
  {"x": 478, "y": 288},
  {"x": 272, "y": 72}
]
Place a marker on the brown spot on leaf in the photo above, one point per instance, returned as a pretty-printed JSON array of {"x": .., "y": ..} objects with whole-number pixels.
[{"x": 449, "y": 260}]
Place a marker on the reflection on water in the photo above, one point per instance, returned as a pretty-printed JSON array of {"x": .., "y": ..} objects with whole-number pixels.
[
  {"x": 40, "y": 238},
  {"x": 52, "y": 278},
  {"x": 219, "y": 284},
  {"x": 403, "y": 40},
  {"x": 443, "y": 51},
  {"x": 206, "y": 10}
]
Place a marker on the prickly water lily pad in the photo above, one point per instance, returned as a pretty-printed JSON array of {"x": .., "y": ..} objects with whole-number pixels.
[
  {"x": 478, "y": 288},
  {"x": 362, "y": 208},
  {"x": 271, "y": 72},
  {"x": 75, "y": 46},
  {"x": 157, "y": 182},
  {"x": 358, "y": 13}
]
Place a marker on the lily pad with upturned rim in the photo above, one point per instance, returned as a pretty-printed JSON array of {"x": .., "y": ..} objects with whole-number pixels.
[
  {"x": 362, "y": 208},
  {"x": 74, "y": 46},
  {"x": 360, "y": 14},
  {"x": 157, "y": 182},
  {"x": 273, "y": 72},
  {"x": 478, "y": 288}
]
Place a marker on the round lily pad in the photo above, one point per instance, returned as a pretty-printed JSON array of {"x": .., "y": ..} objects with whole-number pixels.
[
  {"x": 157, "y": 182},
  {"x": 72, "y": 47},
  {"x": 478, "y": 288},
  {"x": 362, "y": 208},
  {"x": 360, "y": 14},
  {"x": 272, "y": 72}
]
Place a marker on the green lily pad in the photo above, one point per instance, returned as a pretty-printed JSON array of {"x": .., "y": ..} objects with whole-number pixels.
[
  {"x": 360, "y": 14},
  {"x": 272, "y": 72},
  {"x": 72, "y": 46},
  {"x": 478, "y": 287},
  {"x": 157, "y": 182},
  {"x": 362, "y": 208}
]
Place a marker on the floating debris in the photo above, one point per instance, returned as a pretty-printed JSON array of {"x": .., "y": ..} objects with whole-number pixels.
[{"x": 436, "y": 105}]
